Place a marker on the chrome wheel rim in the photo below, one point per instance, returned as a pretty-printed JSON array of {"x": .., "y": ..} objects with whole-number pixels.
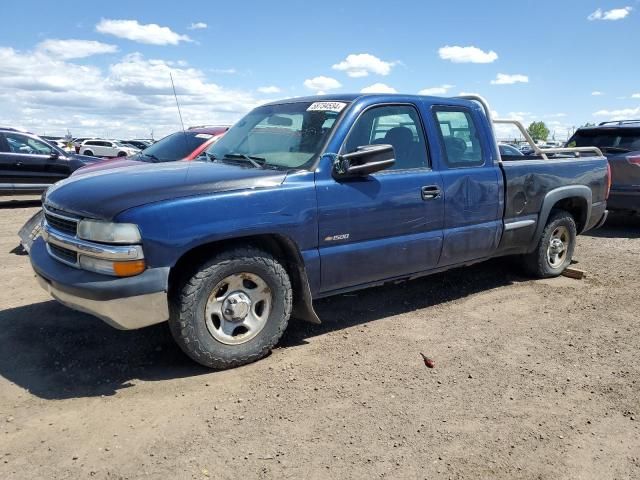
[
  {"x": 238, "y": 308},
  {"x": 558, "y": 245}
]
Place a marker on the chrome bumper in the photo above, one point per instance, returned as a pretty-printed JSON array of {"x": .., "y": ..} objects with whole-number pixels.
[{"x": 127, "y": 313}]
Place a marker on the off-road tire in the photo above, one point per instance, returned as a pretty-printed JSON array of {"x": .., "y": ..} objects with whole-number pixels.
[
  {"x": 187, "y": 320},
  {"x": 537, "y": 262}
]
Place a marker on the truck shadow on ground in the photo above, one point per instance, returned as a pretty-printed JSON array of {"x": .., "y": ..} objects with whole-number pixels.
[
  {"x": 618, "y": 226},
  {"x": 57, "y": 353}
]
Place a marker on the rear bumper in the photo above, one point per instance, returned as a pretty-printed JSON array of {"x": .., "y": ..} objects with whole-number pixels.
[
  {"x": 603, "y": 219},
  {"x": 124, "y": 303},
  {"x": 598, "y": 216}
]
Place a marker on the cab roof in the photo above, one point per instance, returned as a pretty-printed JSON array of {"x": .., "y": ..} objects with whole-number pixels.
[{"x": 351, "y": 97}]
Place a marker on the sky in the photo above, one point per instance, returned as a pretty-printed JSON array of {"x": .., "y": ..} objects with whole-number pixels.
[{"x": 103, "y": 68}]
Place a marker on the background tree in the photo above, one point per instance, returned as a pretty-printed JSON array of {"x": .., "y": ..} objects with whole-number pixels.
[
  {"x": 589, "y": 124},
  {"x": 538, "y": 131}
]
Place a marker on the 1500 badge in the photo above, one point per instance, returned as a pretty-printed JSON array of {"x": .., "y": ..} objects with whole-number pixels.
[{"x": 334, "y": 238}]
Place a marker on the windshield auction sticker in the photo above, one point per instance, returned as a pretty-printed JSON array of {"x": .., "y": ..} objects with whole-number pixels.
[{"x": 326, "y": 107}]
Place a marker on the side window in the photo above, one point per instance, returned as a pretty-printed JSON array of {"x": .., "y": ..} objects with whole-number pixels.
[
  {"x": 397, "y": 125},
  {"x": 460, "y": 138},
  {"x": 29, "y": 146}
]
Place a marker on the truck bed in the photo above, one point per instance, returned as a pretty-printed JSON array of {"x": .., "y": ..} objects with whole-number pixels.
[{"x": 529, "y": 181}]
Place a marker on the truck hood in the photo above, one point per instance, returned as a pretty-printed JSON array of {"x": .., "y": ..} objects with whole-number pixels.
[
  {"x": 103, "y": 194},
  {"x": 102, "y": 164}
]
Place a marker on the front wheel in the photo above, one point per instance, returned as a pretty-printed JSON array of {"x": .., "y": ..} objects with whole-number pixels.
[
  {"x": 88, "y": 153},
  {"x": 555, "y": 248},
  {"x": 233, "y": 310}
]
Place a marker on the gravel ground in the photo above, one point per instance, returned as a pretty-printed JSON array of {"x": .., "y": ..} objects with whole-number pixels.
[{"x": 532, "y": 379}]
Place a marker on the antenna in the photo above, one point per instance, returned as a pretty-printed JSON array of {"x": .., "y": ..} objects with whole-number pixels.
[
  {"x": 184, "y": 133},
  {"x": 176, "y": 97}
]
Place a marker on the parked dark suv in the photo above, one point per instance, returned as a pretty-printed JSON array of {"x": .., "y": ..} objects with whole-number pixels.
[
  {"x": 620, "y": 142},
  {"x": 29, "y": 164}
]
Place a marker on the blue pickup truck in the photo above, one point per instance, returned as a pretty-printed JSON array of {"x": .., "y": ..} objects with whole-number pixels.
[{"x": 307, "y": 198}]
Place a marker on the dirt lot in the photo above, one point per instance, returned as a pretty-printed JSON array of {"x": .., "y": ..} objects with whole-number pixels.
[{"x": 533, "y": 379}]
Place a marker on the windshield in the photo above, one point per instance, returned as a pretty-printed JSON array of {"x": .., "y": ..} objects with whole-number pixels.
[
  {"x": 622, "y": 138},
  {"x": 287, "y": 136},
  {"x": 174, "y": 147}
]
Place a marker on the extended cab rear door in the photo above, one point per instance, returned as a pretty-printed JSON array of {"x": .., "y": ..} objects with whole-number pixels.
[
  {"x": 473, "y": 190},
  {"x": 384, "y": 225}
]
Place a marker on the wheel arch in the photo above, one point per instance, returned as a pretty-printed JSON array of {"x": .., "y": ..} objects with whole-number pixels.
[
  {"x": 281, "y": 247},
  {"x": 575, "y": 199}
]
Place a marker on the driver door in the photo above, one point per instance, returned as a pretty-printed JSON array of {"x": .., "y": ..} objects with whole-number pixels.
[{"x": 387, "y": 224}]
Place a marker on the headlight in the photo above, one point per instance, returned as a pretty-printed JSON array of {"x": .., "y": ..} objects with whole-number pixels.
[{"x": 108, "y": 232}]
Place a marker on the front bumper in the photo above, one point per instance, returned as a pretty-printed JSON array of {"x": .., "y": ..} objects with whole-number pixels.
[{"x": 124, "y": 303}]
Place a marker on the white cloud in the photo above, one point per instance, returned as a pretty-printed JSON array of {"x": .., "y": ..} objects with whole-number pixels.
[
  {"x": 635, "y": 95},
  {"x": 505, "y": 79},
  {"x": 362, "y": 64},
  {"x": 269, "y": 89},
  {"x": 441, "y": 90},
  {"x": 618, "y": 114},
  {"x": 130, "y": 97},
  {"x": 321, "y": 84},
  {"x": 378, "y": 88},
  {"x": 471, "y": 54},
  {"x": 68, "y": 49},
  {"x": 596, "y": 93},
  {"x": 614, "y": 14},
  {"x": 226, "y": 71},
  {"x": 198, "y": 26},
  {"x": 150, "y": 33}
]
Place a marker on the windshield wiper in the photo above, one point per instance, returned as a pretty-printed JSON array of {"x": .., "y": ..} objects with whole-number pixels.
[
  {"x": 257, "y": 162},
  {"x": 151, "y": 156}
]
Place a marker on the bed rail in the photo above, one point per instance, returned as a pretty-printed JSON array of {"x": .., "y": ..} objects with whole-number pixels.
[{"x": 538, "y": 151}]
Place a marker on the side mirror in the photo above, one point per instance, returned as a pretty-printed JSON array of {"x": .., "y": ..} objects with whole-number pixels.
[
  {"x": 54, "y": 155},
  {"x": 364, "y": 161}
]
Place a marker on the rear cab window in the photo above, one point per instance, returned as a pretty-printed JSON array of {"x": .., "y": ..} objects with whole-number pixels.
[{"x": 460, "y": 137}]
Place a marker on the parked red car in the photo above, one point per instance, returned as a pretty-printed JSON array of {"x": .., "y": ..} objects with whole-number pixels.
[{"x": 182, "y": 145}]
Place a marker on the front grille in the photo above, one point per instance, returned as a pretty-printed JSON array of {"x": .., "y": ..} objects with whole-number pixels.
[
  {"x": 64, "y": 225},
  {"x": 63, "y": 254}
]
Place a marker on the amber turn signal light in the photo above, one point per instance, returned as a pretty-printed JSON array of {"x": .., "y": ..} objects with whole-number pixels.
[{"x": 129, "y": 269}]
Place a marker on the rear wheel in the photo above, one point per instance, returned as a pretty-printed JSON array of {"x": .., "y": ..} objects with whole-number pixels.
[
  {"x": 233, "y": 310},
  {"x": 555, "y": 248}
]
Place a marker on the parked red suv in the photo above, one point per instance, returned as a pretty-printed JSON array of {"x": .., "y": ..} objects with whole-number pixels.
[{"x": 182, "y": 145}]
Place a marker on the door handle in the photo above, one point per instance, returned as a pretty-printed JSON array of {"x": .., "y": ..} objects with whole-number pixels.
[
  {"x": 19, "y": 164},
  {"x": 431, "y": 192}
]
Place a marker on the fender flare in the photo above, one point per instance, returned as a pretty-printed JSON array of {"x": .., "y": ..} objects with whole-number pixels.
[{"x": 552, "y": 198}]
